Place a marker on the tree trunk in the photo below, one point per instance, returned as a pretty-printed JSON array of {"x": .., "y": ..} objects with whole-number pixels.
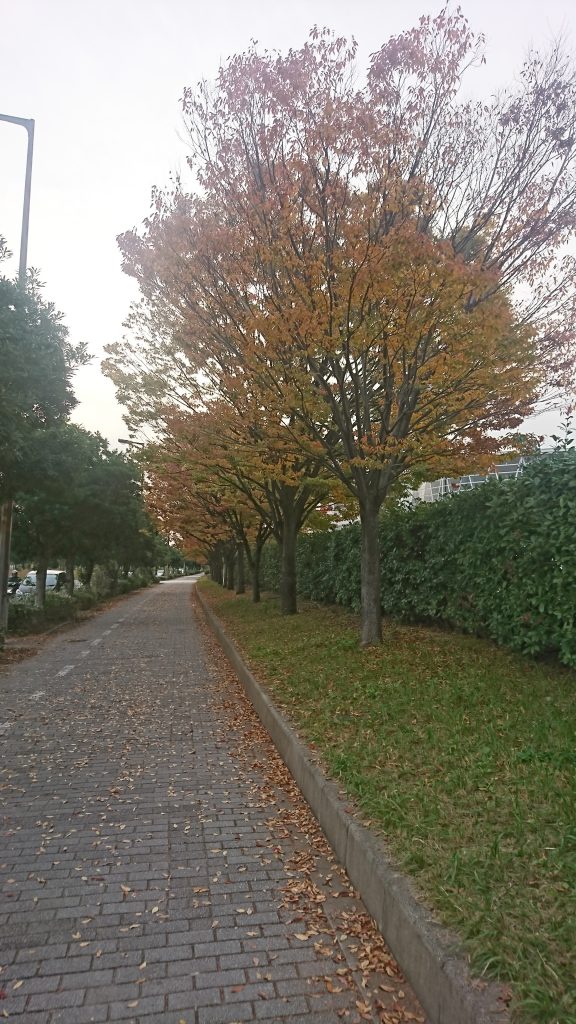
[
  {"x": 240, "y": 571},
  {"x": 6, "y": 508},
  {"x": 255, "y": 569},
  {"x": 216, "y": 569},
  {"x": 370, "y": 575},
  {"x": 229, "y": 570},
  {"x": 253, "y": 555},
  {"x": 112, "y": 568},
  {"x": 288, "y": 597},
  {"x": 40, "y": 595},
  {"x": 70, "y": 577},
  {"x": 86, "y": 573}
]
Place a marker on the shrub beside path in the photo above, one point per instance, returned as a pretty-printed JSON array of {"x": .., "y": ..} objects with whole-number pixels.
[{"x": 157, "y": 861}]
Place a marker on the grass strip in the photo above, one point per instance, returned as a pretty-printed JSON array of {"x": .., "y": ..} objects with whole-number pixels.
[{"x": 461, "y": 755}]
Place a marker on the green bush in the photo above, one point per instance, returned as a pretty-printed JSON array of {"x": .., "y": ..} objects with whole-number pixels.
[
  {"x": 102, "y": 582},
  {"x": 270, "y": 566},
  {"x": 84, "y": 599},
  {"x": 59, "y": 608},
  {"x": 141, "y": 578},
  {"x": 498, "y": 561},
  {"x": 24, "y": 617},
  {"x": 329, "y": 566}
]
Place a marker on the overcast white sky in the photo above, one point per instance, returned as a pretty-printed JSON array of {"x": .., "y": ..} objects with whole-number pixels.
[{"x": 103, "y": 79}]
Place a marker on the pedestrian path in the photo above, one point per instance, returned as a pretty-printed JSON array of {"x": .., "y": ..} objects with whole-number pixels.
[{"x": 157, "y": 862}]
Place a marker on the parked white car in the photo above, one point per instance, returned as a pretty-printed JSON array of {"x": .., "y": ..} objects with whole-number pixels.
[{"x": 55, "y": 581}]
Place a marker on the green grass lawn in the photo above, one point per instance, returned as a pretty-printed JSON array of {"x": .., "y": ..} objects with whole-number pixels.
[{"x": 462, "y": 756}]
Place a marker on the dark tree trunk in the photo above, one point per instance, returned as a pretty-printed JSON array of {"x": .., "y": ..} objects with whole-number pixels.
[
  {"x": 288, "y": 596},
  {"x": 253, "y": 557},
  {"x": 70, "y": 577},
  {"x": 86, "y": 573},
  {"x": 216, "y": 569},
  {"x": 240, "y": 571},
  {"x": 370, "y": 575},
  {"x": 229, "y": 570},
  {"x": 255, "y": 569},
  {"x": 41, "y": 570},
  {"x": 113, "y": 573}
]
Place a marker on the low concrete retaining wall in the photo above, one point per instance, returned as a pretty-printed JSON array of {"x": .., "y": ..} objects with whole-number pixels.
[{"x": 428, "y": 955}]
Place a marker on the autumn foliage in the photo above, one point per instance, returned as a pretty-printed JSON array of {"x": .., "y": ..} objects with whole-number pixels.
[{"x": 380, "y": 268}]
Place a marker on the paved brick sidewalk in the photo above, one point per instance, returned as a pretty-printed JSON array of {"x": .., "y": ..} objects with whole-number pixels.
[{"x": 157, "y": 864}]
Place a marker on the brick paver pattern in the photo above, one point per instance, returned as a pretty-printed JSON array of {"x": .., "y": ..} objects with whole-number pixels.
[{"x": 140, "y": 878}]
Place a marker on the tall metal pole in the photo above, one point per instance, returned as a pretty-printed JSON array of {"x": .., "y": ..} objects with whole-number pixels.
[{"x": 7, "y": 506}]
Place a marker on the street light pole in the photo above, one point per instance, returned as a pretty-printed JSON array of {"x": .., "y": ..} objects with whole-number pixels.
[{"x": 7, "y": 506}]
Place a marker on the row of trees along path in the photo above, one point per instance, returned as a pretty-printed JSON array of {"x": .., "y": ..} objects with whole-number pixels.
[
  {"x": 76, "y": 502},
  {"x": 364, "y": 284}
]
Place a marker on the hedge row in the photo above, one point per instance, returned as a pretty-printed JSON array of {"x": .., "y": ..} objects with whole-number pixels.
[
  {"x": 498, "y": 561},
  {"x": 25, "y": 618}
]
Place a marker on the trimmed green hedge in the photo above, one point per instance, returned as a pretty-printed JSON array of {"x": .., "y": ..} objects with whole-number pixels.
[
  {"x": 498, "y": 561},
  {"x": 25, "y": 618}
]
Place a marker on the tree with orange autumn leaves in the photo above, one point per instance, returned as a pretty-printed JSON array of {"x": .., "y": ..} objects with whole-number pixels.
[
  {"x": 384, "y": 268},
  {"x": 209, "y": 524},
  {"x": 231, "y": 476}
]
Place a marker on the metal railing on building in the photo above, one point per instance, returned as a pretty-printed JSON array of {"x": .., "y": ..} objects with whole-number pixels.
[{"x": 433, "y": 490}]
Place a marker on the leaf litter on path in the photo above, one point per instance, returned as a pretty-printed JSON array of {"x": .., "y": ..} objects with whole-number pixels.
[{"x": 325, "y": 908}]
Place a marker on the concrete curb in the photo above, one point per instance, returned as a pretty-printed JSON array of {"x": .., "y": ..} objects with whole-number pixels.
[{"x": 429, "y": 956}]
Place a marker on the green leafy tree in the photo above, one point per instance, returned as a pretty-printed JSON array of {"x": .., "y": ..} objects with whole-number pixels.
[
  {"x": 36, "y": 366},
  {"x": 83, "y": 504},
  {"x": 113, "y": 525}
]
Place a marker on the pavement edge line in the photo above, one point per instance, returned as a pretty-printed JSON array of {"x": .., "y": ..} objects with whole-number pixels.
[{"x": 428, "y": 954}]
